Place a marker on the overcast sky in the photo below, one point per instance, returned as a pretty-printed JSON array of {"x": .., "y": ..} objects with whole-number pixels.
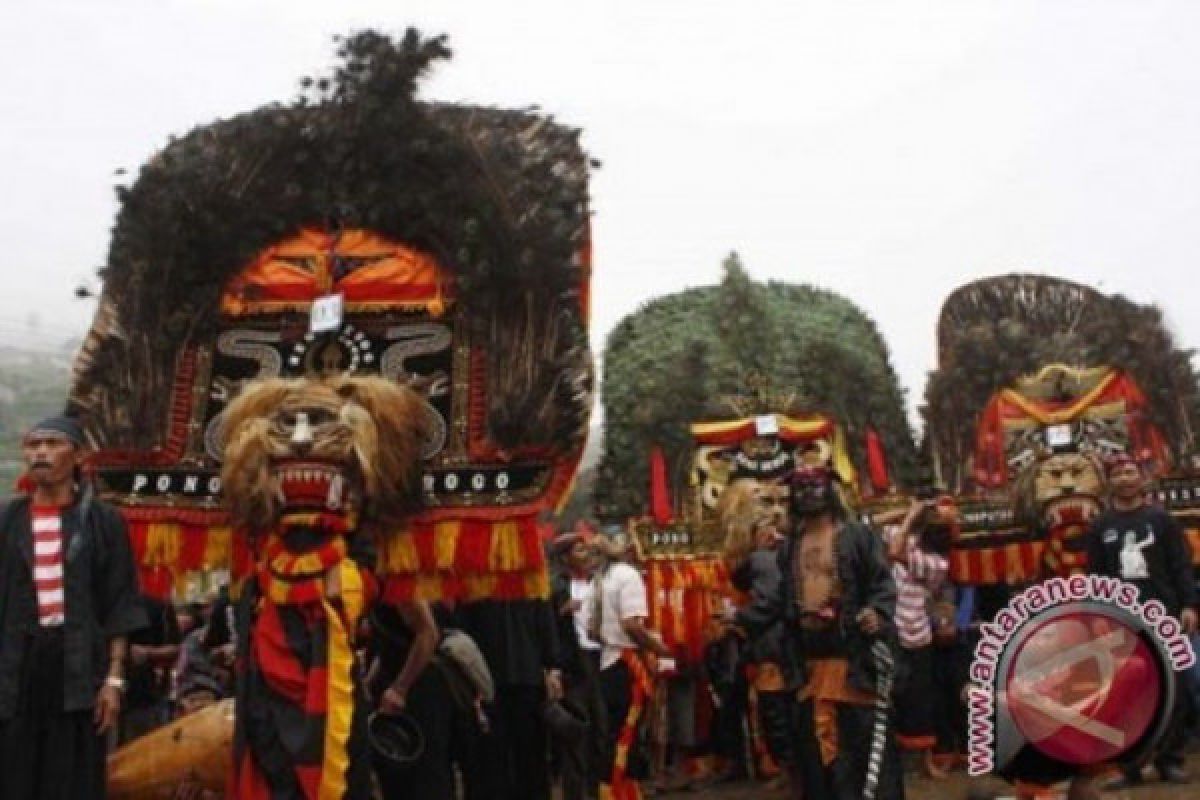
[{"x": 890, "y": 151}]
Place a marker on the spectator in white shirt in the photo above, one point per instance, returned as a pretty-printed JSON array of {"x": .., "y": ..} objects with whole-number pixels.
[{"x": 619, "y": 624}]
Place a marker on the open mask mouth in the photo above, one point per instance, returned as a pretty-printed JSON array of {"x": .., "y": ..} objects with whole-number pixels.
[
  {"x": 1070, "y": 510},
  {"x": 312, "y": 485}
]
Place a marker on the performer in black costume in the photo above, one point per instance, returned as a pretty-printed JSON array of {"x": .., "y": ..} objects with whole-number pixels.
[{"x": 836, "y": 600}]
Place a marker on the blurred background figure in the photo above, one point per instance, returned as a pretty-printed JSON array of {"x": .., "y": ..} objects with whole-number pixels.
[
  {"x": 572, "y": 565},
  {"x": 519, "y": 642},
  {"x": 917, "y": 549},
  {"x": 751, "y": 551},
  {"x": 207, "y": 652},
  {"x": 153, "y": 652}
]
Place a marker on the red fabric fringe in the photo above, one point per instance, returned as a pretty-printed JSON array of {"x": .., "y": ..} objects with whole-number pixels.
[
  {"x": 877, "y": 463},
  {"x": 660, "y": 493}
]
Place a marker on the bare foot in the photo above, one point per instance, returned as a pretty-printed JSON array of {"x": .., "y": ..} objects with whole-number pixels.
[{"x": 931, "y": 768}]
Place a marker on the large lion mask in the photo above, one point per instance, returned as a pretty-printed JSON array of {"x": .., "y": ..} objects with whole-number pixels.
[
  {"x": 744, "y": 506},
  {"x": 335, "y": 445},
  {"x": 1059, "y": 486}
]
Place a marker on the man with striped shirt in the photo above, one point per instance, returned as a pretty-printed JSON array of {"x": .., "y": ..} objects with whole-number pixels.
[{"x": 68, "y": 600}]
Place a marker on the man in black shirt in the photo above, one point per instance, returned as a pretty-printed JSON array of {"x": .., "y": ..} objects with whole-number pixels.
[
  {"x": 1144, "y": 545},
  {"x": 519, "y": 641}
]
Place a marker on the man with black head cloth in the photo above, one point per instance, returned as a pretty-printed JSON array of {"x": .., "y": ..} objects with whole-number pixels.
[
  {"x": 68, "y": 600},
  {"x": 837, "y": 600}
]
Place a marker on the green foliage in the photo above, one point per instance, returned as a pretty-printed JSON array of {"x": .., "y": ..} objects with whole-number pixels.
[
  {"x": 745, "y": 326},
  {"x": 579, "y": 502},
  {"x": 30, "y": 390},
  {"x": 682, "y": 357}
]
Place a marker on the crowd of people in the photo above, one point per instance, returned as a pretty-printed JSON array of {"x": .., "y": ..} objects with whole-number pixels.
[
  {"x": 846, "y": 647},
  {"x": 841, "y": 667}
]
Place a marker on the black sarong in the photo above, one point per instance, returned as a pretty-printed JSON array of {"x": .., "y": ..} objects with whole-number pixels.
[{"x": 46, "y": 753}]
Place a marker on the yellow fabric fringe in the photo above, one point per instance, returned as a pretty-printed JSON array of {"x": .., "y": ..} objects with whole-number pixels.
[{"x": 339, "y": 704}]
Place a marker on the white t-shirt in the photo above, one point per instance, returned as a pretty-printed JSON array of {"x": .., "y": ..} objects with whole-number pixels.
[
  {"x": 581, "y": 591},
  {"x": 623, "y": 596}
]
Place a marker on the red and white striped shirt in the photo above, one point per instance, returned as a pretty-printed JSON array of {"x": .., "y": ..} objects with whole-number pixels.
[
  {"x": 917, "y": 577},
  {"x": 48, "y": 565}
]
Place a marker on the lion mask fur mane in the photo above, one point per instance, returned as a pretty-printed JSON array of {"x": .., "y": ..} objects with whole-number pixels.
[{"x": 370, "y": 428}]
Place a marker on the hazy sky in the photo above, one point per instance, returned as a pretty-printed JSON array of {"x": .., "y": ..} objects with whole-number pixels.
[{"x": 890, "y": 151}]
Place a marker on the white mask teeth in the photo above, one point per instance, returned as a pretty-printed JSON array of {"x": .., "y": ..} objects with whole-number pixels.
[{"x": 333, "y": 501}]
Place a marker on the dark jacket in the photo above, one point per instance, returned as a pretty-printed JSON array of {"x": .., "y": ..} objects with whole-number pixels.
[
  {"x": 866, "y": 582},
  {"x": 758, "y": 577},
  {"x": 569, "y": 650},
  {"x": 101, "y": 592},
  {"x": 1168, "y": 558},
  {"x": 518, "y": 638}
]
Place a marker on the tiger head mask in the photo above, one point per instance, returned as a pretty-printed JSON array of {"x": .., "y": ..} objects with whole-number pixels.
[{"x": 338, "y": 445}]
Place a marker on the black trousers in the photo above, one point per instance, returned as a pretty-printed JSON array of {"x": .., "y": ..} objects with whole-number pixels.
[
  {"x": 583, "y": 762},
  {"x": 951, "y": 664},
  {"x": 1170, "y": 750},
  {"x": 616, "y": 686},
  {"x": 729, "y": 728},
  {"x": 914, "y": 701},
  {"x": 431, "y": 778},
  {"x": 509, "y": 762},
  {"x": 843, "y": 779},
  {"x": 776, "y": 718},
  {"x": 47, "y": 753}
]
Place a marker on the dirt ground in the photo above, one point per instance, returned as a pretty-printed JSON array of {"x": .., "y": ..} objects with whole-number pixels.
[{"x": 958, "y": 786}]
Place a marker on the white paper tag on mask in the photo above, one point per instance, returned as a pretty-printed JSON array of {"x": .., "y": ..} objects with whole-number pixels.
[
  {"x": 766, "y": 425},
  {"x": 326, "y": 314},
  {"x": 1058, "y": 435}
]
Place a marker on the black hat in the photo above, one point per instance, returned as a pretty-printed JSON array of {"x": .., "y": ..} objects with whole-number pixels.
[
  {"x": 60, "y": 425},
  {"x": 396, "y": 738},
  {"x": 200, "y": 683}
]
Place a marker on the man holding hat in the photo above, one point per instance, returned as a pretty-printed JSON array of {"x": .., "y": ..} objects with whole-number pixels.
[{"x": 68, "y": 600}]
